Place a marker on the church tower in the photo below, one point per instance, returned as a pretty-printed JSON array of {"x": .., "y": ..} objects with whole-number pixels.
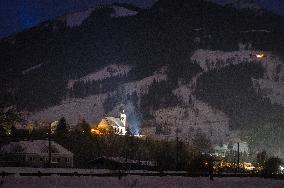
[{"x": 123, "y": 118}]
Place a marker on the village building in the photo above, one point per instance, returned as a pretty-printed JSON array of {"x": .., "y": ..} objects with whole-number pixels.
[
  {"x": 122, "y": 164},
  {"x": 221, "y": 151},
  {"x": 35, "y": 154},
  {"x": 117, "y": 125},
  {"x": 243, "y": 147}
]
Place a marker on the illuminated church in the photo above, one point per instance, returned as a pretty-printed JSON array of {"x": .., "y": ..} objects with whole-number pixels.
[{"x": 109, "y": 124}]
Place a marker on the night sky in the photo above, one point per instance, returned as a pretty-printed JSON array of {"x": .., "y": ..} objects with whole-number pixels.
[{"x": 16, "y": 15}]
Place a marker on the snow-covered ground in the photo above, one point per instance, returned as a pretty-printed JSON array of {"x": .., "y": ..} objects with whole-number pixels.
[
  {"x": 138, "y": 181},
  {"x": 17, "y": 170}
]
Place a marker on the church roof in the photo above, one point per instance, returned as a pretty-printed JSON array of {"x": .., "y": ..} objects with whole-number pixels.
[{"x": 115, "y": 121}]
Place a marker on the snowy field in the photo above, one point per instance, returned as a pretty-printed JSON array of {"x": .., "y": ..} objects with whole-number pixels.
[
  {"x": 101, "y": 178},
  {"x": 137, "y": 181}
]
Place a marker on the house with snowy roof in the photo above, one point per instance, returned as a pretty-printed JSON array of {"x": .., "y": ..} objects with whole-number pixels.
[{"x": 35, "y": 154}]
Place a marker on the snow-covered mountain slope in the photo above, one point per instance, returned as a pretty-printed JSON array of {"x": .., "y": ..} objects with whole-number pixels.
[
  {"x": 271, "y": 86},
  {"x": 209, "y": 60},
  {"x": 107, "y": 72},
  {"x": 141, "y": 87},
  {"x": 122, "y": 12},
  {"x": 189, "y": 116},
  {"x": 270, "y": 89},
  {"x": 240, "y": 4},
  {"x": 90, "y": 108},
  {"x": 195, "y": 115},
  {"x": 187, "y": 120},
  {"x": 77, "y": 18},
  {"x": 173, "y": 67}
]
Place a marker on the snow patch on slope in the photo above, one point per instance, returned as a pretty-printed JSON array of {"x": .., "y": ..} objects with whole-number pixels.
[
  {"x": 24, "y": 72},
  {"x": 239, "y": 4},
  {"x": 77, "y": 18},
  {"x": 122, "y": 12},
  {"x": 209, "y": 60},
  {"x": 138, "y": 88},
  {"x": 141, "y": 87},
  {"x": 273, "y": 90},
  {"x": 193, "y": 115},
  {"x": 106, "y": 72},
  {"x": 90, "y": 108},
  {"x": 187, "y": 120},
  {"x": 184, "y": 93},
  {"x": 256, "y": 31}
]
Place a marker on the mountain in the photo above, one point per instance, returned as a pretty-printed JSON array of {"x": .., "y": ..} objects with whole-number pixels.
[
  {"x": 239, "y": 4},
  {"x": 180, "y": 67},
  {"x": 275, "y": 6}
]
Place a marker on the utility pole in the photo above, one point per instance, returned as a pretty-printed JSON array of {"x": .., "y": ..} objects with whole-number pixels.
[
  {"x": 177, "y": 147},
  {"x": 238, "y": 157},
  {"x": 49, "y": 146},
  {"x": 177, "y": 150}
]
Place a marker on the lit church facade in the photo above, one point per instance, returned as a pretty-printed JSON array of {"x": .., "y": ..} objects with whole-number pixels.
[{"x": 117, "y": 125}]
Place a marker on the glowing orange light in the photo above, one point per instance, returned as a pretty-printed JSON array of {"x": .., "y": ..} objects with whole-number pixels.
[
  {"x": 96, "y": 132},
  {"x": 93, "y": 130},
  {"x": 248, "y": 166},
  {"x": 259, "y": 56}
]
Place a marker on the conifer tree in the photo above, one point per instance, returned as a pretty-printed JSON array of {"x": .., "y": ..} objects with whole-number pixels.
[
  {"x": 61, "y": 129},
  {"x": 84, "y": 126}
]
